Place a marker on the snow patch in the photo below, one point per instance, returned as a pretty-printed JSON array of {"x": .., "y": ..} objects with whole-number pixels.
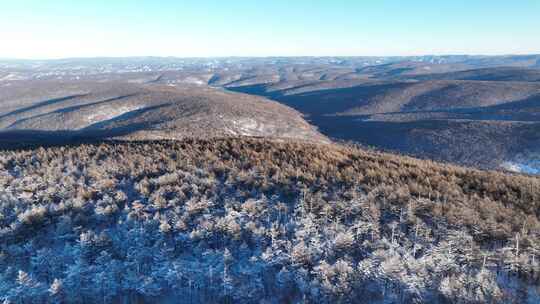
[
  {"x": 248, "y": 127},
  {"x": 12, "y": 76},
  {"x": 138, "y": 80},
  {"x": 194, "y": 80},
  {"x": 530, "y": 167},
  {"x": 109, "y": 113}
]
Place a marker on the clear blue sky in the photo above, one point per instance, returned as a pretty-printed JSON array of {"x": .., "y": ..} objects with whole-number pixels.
[{"x": 73, "y": 28}]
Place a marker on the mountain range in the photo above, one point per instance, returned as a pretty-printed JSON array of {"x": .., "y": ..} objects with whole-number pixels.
[{"x": 480, "y": 111}]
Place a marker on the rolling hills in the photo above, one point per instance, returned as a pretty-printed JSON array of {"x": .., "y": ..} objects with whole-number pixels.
[
  {"x": 489, "y": 74},
  {"x": 480, "y": 111},
  {"x": 459, "y": 117}
]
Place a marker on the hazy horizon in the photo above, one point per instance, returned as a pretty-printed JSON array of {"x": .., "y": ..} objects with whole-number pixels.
[{"x": 264, "y": 57}]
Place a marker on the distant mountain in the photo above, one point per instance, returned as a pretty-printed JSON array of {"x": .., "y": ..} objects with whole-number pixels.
[{"x": 390, "y": 66}]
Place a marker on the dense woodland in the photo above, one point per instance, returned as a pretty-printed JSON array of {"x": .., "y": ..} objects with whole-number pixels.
[{"x": 257, "y": 221}]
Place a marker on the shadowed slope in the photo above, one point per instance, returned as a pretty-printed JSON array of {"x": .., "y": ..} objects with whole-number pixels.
[{"x": 139, "y": 111}]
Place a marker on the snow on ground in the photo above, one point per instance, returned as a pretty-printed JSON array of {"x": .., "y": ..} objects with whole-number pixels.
[
  {"x": 193, "y": 80},
  {"x": 248, "y": 127},
  {"x": 530, "y": 167},
  {"x": 138, "y": 80},
  {"x": 12, "y": 76},
  {"x": 110, "y": 113}
]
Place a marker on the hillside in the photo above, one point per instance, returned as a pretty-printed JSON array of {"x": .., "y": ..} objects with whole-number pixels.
[
  {"x": 141, "y": 111},
  {"x": 486, "y": 124},
  {"x": 403, "y": 96},
  {"x": 489, "y": 74},
  {"x": 248, "y": 220}
]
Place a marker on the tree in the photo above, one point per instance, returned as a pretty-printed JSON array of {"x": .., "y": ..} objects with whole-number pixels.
[
  {"x": 78, "y": 281},
  {"x": 27, "y": 289},
  {"x": 488, "y": 290},
  {"x": 104, "y": 278},
  {"x": 344, "y": 242},
  {"x": 44, "y": 264},
  {"x": 227, "y": 276},
  {"x": 56, "y": 292}
]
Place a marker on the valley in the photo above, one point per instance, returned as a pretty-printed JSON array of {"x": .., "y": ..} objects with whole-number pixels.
[{"x": 469, "y": 110}]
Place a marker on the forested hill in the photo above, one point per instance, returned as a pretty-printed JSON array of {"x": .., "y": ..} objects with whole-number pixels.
[{"x": 244, "y": 220}]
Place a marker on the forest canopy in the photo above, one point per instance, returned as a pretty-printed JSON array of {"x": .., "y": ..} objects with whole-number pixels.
[{"x": 249, "y": 220}]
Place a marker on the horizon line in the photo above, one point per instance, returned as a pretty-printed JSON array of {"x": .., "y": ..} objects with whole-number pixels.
[{"x": 264, "y": 56}]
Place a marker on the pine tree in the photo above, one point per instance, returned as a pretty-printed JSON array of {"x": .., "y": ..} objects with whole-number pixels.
[
  {"x": 227, "y": 276},
  {"x": 104, "y": 277},
  {"x": 56, "y": 292},
  {"x": 27, "y": 289}
]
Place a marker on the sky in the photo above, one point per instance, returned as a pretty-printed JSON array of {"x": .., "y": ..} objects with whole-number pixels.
[{"x": 43, "y": 29}]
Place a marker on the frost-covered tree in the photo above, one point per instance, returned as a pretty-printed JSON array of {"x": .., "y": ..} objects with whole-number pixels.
[{"x": 57, "y": 293}]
